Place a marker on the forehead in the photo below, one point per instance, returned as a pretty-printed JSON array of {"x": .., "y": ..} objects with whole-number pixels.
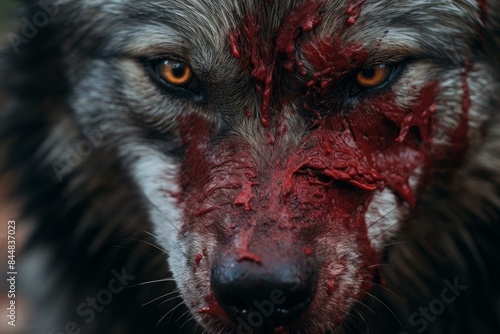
[
  {"x": 202, "y": 23},
  {"x": 200, "y": 29},
  {"x": 226, "y": 14}
]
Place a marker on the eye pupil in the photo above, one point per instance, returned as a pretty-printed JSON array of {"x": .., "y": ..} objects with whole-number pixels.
[
  {"x": 178, "y": 70},
  {"x": 175, "y": 73},
  {"x": 369, "y": 73}
]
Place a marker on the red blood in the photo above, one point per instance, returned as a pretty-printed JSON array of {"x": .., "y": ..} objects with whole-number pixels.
[
  {"x": 271, "y": 138},
  {"x": 261, "y": 55},
  {"x": 204, "y": 310},
  {"x": 246, "y": 255},
  {"x": 303, "y": 19},
  {"x": 330, "y": 285},
  {"x": 197, "y": 261},
  {"x": 320, "y": 186},
  {"x": 422, "y": 116},
  {"x": 213, "y": 308},
  {"x": 282, "y": 129},
  {"x": 397, "y": 159},
  {"x": 332, "y": 61},
  {"x": 483, "y": 8},
  {"x": 245, "y": 196},
  {"x": 483, "y": 5},
  {"x": 281, "y": 330},
  {"x": 262, "y": 63},
  {"x": 308, "y": 251},
  {"x": 243, "y": 247},
  {"x": 324, "y": 183},
  {"x": 234, "y": 47},
  {"x": 353, "y": 11}
]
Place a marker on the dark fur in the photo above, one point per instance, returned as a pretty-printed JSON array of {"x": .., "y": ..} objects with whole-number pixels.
[{"x": 95, "y": 219}]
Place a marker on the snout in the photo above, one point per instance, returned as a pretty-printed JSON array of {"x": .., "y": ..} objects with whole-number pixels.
[{"x": 265, "y": 294}]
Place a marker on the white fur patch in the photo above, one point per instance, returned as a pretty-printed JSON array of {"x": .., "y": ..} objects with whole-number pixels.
[
  {"x": 157, "y": 174},
  {"x": 382, "y": 217}
]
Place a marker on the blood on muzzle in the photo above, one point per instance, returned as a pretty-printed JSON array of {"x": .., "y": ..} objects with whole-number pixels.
[{"x": 270, "y": 291}]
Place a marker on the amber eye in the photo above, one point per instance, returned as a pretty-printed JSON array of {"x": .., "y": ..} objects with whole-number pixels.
[
  {"x": 175, "y": 73},
  {"x": 371, "y": 77}
]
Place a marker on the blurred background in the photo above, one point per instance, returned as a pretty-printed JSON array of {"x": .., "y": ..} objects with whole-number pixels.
[
  {"x": 6, "y": 18},
  {"x": 7, "y": 208}
]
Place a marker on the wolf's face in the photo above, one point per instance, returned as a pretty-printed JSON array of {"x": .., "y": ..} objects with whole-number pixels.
[{"x": 280, "y": 145}]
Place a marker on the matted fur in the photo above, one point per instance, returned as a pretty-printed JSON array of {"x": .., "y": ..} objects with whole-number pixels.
[{"x": 116, "y": 207}]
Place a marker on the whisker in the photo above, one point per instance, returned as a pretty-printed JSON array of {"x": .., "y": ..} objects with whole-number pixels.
[
  {"x": 395, "y": 243},
  {"x": 147, "y": 243},
  {"x": 163, "y": 215},
  {"x": 182, "y": 315},
  {"x": 163, "y": 296},
  {"x": 385, "y": 230},
  {"x": 145, "y": 253},
  {"x": 190, "y": 318},
  {"x": 383, "y": 287},
  {"x": 198, "y": 325},
  {"x": 155, "y": 207},
  {"x": 154, "y": 236},
  {"x": 385, "y": 305},
  {"x": 350, "y": 319},
  {"x": 361, "y": 316},
  {"x": 378, "y": 265},
  {"x": 382, "y": 217},
  {"x": 170, "y": 299},
  {"x": 360, "y": 302},
  {"x": 155, "y": 281},
  {"x": 170, "y": 311}
]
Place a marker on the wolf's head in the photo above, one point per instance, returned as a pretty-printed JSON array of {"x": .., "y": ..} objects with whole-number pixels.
[{"x": 280, "y": 145}]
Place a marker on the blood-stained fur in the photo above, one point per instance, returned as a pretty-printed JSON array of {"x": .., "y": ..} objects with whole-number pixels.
[{"x": 244, "y": 166}]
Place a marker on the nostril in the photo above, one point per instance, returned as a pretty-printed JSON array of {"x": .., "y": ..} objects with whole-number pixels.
[{"x": 271, "y": 294}]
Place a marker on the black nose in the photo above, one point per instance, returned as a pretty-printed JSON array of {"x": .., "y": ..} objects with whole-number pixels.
[{"x": 262, "y": 296}]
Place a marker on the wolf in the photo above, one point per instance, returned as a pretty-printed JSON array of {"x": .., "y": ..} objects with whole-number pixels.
[{"x": 256, "y": 166}]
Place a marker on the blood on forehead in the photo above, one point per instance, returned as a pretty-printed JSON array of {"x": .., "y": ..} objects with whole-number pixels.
[
  {"x": 264, "y": 57},
  {"x": 331, "y": 62},
  {"x": 357, "y": 160}
]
